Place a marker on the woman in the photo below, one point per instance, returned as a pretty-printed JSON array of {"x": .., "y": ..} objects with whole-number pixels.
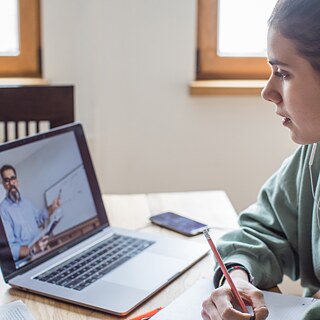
[{"x": 280, "y": 233}]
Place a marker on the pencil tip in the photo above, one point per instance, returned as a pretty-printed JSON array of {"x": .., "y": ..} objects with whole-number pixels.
[{"x": 206, "y": 233}]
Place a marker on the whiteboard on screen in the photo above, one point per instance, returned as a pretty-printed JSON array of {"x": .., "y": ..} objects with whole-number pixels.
[{"x": 76, "y": 201}]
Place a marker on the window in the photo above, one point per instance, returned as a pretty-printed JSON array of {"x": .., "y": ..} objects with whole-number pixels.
[
  {"x": 232, "y": 39},
  {"x": 20, "y": 38}
]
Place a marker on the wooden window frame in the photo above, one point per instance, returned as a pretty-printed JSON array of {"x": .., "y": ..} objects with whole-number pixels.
[
  {"x": 209, "y": 65},
  {"x": 28, "y": 63}
]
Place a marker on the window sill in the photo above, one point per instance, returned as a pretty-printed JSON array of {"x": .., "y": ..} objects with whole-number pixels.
[
  {"x": 226, "y": 87},
  {"x": 23, "y": 81}
]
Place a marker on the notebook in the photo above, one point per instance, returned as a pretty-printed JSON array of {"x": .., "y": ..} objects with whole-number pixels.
[
  {"x": 189, "y": 305},
  {"x": 55, "y": 238},
  {"x": 15, "y": 310}
]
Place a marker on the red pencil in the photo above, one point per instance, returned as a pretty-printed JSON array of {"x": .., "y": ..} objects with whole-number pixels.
[
  {"x": 225, "y": 272},
  {"x": 146, "y": 315}
]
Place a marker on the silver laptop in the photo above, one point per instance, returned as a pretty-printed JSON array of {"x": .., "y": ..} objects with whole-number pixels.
[{"x": 55, "y": 238}]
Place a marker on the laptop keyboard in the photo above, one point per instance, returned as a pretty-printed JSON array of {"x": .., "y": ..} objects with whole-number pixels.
[{"x": 87, "y": 267}]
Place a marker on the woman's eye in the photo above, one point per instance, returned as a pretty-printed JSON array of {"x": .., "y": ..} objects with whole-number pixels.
[{"x": 283, "y": 75}]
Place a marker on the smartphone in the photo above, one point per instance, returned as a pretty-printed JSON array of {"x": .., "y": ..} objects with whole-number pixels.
[{"x": 178, "y": 223}]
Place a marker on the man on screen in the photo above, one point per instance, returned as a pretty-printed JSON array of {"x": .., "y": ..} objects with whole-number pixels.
[{"x": 23, "y": 222}]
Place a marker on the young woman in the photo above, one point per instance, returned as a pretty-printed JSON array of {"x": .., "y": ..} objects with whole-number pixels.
[{"x": 280, "y": 233}]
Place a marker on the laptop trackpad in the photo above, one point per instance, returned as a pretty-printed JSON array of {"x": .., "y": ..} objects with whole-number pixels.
[{"x": 146, "y": 271}]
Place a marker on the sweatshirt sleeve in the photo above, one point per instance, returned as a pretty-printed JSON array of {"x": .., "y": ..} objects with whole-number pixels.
[
  {"x": 313, "y": 311},
  {"x": 266, "y": 243}
]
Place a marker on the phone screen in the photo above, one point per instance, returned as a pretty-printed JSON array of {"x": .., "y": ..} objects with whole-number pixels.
[{"x": 178, "y": 223}]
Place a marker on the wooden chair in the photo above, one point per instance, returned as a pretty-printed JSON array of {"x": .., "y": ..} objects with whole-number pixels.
[{"x": 30, "y": 109}]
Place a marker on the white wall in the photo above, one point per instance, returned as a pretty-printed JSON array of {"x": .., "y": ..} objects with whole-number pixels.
[{"x": 131, "y": 62}]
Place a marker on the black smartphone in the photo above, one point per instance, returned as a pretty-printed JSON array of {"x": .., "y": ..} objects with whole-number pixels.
[{"x": 178, "y": 223}]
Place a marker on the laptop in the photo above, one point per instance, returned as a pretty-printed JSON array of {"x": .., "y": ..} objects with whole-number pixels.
[{"x": 55, "y": 238}]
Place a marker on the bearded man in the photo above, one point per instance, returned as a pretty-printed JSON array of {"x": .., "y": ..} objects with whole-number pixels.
[{"x": 23, "y": 222}]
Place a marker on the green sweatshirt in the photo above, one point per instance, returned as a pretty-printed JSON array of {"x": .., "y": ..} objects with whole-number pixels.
[{"x": 280, "y": 233}]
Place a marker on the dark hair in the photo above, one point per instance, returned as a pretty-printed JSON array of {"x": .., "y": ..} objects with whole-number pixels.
[
  {"x": 7, "y": 167},
  {"x": 299, "y": 20}
]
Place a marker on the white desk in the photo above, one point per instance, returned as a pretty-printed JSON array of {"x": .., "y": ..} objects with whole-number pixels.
[{"x": 133, "y": 212}]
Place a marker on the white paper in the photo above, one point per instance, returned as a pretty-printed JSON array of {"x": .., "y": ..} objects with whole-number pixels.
[
  {"x": 188, "y": 306},
  {"x": 15, "y": 310}
]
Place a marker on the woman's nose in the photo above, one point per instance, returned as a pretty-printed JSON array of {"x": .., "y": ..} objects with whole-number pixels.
[{"x": 269, "y": 93}]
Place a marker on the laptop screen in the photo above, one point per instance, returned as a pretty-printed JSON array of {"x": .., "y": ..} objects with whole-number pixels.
[{"x": 49, "y": 196}]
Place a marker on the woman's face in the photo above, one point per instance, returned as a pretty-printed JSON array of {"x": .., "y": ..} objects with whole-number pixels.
[{"x": 294, "y": 87}]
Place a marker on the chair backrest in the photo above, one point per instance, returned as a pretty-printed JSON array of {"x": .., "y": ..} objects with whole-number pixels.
[{"x": 30, "y": 109}]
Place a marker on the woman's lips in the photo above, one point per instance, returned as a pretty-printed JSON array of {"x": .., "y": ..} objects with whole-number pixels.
[{"x": 286, "y": 121}]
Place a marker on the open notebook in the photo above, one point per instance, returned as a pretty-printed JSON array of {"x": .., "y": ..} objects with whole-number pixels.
[
  {"x": 188, "y": 305},
  {"x": 15, "y": 310}
]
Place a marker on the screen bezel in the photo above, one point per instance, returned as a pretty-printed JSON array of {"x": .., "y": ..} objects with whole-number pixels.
[{"x": 8, "y": 265}]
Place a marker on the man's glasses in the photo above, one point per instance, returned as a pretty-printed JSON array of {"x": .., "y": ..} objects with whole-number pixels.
[{"x": 9, "y": 179}]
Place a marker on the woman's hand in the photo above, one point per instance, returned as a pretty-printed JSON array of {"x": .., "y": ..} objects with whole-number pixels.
[
  {"x": 317, "y": 295},
  {"x": 220, "y": 304}
]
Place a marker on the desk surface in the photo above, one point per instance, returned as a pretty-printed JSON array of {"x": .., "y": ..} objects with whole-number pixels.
[{"x": 133, "y": 212}]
